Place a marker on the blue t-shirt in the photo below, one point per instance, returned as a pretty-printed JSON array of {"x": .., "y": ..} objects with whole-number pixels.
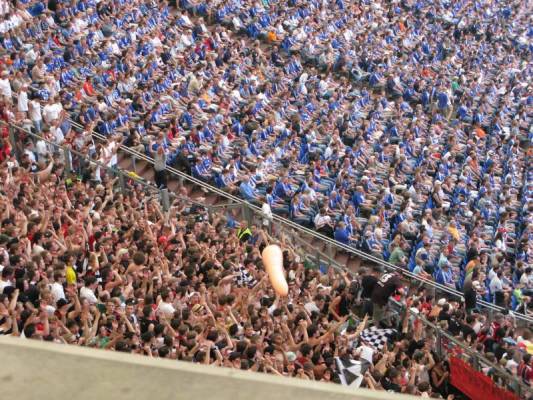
[{"x": 342, "y": 235}]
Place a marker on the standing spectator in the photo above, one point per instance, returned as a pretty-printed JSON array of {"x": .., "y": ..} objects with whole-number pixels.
[
  {"x": 5, "y": 87},
  {"x": 386, "y": 286},
  {"x": 160, "y": 165}
]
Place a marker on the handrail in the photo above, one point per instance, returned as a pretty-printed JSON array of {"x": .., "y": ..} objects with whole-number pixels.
[
  {"x": 523, "y": 388},
  {"x": 313, "y": 233},
  {"x": 115, "y": 171},
  {"x": 317, "y": 235},
  {"x": 321, "y": 255},
  {"x": 297, "y": 238},
  {"x": 301, "y": 228}
]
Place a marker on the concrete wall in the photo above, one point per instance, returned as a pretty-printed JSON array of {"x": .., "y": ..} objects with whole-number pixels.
[{"x": 37, "y": 370}]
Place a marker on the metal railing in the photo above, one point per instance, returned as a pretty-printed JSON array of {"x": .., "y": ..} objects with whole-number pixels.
[
  {"x": 331, "y": 245},
  {"x": 448, "y": 345},
  {"x": 250, "y": 210},
  {"x": 72, "y": 160},
  {"x": 290, "y": 231}
]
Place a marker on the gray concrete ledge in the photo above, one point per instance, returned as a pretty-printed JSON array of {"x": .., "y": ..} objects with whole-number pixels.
[{"x": 39, "y": 370}]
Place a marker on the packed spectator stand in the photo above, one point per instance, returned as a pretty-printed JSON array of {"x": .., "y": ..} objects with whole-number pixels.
[
  {"x": 93, "y": 264},
  {"x": 398, "y": 162},
  {"x": 400, "y": 129}
]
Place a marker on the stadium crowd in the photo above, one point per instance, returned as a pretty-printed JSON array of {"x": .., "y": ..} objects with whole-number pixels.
[
  {"x": 402, "y": 129},
  {"x": 397, "y": 128},
  {"x": 84, "y": 263}
]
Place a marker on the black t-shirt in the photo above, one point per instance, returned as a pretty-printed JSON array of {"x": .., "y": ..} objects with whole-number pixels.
[
  {"x": 145, "y": 323},
  {"x": 470, "y": 297},
  {"x": 499, "y": 351},
  {"x": 454, "y": 327},
  {"x": 444, "y": 316},
  {"x": 384, "y": 288},
  {"x": 468, "y": 331},
  {"x": 390, "y": 386},
  {"x": 368, "y": 283},
  {"x": 52, "y": 5},
  {"x": 344, "y": 306},
  {"x": 414, "y": 346},
  {"x": 182, "y": 163}
]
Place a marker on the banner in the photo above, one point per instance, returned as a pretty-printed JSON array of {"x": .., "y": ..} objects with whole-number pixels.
[{"x": 475, "y": 384}]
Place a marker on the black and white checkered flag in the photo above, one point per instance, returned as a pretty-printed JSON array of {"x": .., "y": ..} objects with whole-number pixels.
[
  {"x": 377, "y": 337},
  {"x": 351, "y": 371},
  {"x": 244, "y": 278}
]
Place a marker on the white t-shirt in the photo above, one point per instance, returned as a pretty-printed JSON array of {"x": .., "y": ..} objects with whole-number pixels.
[
  {"x": 510, "y": 364},
  {"x": 87, "y": 293},
  {"x": 491, "y": 274},
  {"x": 41, "y": 147},
  {"x": 311, "y": 306},
  {"x": 496, "y": 285},
  {"x": 35, "y": 110},
  {"x": 321, "y": 220},
  {"x": 22, "y": 101},
  {"x": 527, "y": 280},
  {"x": 5, "y": 88},
  {"x": 4, "y": 284},
  {"x": 4, "y": 7},
  {"x": 57, "y": 291},
  {"x": 52, "y": 111},
  {"x": 267, "y": 213},
  {"x": 166, "y": 309},
  {"x": 58, "y": 134},
  {"x": 31, "y": 155}
]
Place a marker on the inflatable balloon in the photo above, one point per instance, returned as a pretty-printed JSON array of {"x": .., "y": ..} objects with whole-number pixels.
[{"x": 273, "y": 261}]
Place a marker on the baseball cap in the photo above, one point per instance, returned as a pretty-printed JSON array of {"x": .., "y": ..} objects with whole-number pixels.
[{"x": 291, "y": 356}]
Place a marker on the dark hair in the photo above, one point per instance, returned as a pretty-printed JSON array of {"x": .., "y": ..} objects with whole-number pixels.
[
  {"x": 241, "y": 346},
  {"x": 233, "y": 329},
  {"x": 212, "y": 335},
  {"x": 90, "y": 280},
  {"x": 245, "y": 365},
  {"x": 305, "y": 349},
  {"x": 7, "y": 272},
  {"x": 423, "y": 386},
  {"x": 393, "y": 373},
  {"x": 147, "y": 336},
  {"x": 29, "y": 330},
  {"x": 122, "y": 346},
  {"x": 138, "y": 258},
  {"x": 250, "y": 352},
  {"x": 163, "y": 351}
]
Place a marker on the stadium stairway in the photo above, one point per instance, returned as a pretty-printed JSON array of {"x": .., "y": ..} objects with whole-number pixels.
[{"x": 144, "y": 169}]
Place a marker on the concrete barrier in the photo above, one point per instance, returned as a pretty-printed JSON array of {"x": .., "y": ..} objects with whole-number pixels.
[{"x": 46, "y": 371}]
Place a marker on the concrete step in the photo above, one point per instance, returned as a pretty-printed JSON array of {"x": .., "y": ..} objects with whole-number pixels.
[
  {"x": 173, "y": 185},
  {"x": 211, "y": 199},
  {"x": 354, "y": 264},
  {"x": 125, "y": 163},
  {"x": 318, "y": 244},
  {"x": 342, "y": 258}
]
